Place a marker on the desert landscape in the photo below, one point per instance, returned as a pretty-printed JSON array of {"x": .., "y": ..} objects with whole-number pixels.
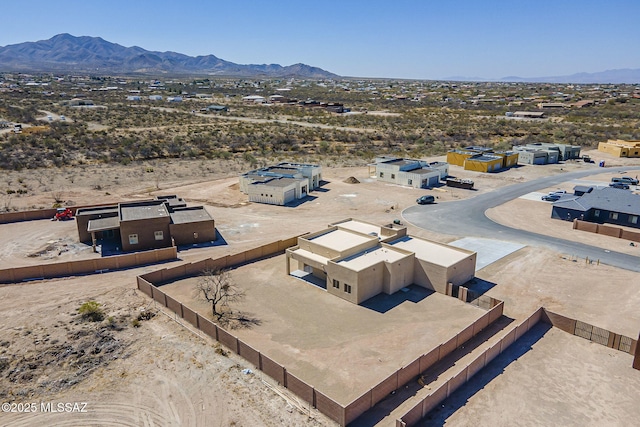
[
  {"x": 465, "y": 285},
  {"x": 181, "y": 377}
]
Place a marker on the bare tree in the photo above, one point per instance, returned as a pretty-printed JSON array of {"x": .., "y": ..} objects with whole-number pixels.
[{"x": 217, "y": 288}]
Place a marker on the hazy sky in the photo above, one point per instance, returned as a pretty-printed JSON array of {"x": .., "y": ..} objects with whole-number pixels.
[{"x": 422, "y": 39}]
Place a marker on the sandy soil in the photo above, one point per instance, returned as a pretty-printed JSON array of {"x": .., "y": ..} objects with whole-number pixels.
[
  {"x": 166, "y": 374},
  {"x": 597, "y": 294},
  {"x": 330, "y": 344},
  {"x": 534, "y": 384}
]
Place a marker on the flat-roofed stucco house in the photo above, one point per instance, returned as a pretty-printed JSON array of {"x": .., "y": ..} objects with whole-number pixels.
[
  {"x": 620, "y": 148},
  {"x": 411, "y": 172},
  {"x": 282, "y": 183},
  {"x": 358, "y": 260},
  {"x": 148, "y": 224}
]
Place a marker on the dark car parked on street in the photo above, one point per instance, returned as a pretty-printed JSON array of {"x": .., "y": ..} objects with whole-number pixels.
[{"x": 425, "y": 200}]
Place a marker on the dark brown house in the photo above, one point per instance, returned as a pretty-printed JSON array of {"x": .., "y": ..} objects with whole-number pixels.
[{"x": 150, "y": 224}]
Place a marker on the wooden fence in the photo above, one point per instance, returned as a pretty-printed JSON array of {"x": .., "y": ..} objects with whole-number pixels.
[{"x": 590, "y": 332}]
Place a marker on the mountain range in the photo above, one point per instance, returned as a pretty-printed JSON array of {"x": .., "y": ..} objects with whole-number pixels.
[
  {"x": 617, "y": 76},
  {"x": 67, "y": 53}
]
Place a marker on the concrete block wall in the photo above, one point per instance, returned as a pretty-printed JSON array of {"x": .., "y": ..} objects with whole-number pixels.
[
  {"x": 89, "y": 266},
  {"x": 337, "y": 412},
  {"x": 446, "y": 389},
  {"x": 607, "y": 230},
  {"x": 590, "y": 332}
]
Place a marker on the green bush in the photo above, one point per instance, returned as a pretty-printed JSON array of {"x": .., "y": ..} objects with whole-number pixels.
[{"x": 91, "y": 310}]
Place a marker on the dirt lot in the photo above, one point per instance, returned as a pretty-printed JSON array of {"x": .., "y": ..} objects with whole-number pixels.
[
  {"x": 535, "y": 384},
  {"x": 330, "y": 343},
  {"x": 160, "y": 374},
  {"x": 172, "y": 377}
]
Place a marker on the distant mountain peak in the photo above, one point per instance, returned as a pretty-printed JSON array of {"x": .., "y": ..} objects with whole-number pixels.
[
  {"x": 615, "y": 76},
  {"x": 65, "y": 52}
]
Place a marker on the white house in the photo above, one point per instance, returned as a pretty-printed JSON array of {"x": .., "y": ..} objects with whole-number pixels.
[
  {"x": 256, "y": 99},
  {"x": 411, "y": 172},
  {"x": 282, "y": 183}
]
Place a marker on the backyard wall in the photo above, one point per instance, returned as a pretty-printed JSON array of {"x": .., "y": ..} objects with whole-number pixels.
[
  {"x": 343, "y": 415},
  {"x": 436, "y": 396},
  {"x": 607, "y": 230},
  {"x": 9, "y": 217},
  {"x": 98, "y": 265}
]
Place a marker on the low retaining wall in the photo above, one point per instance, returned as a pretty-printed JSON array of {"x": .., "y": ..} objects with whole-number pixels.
[
  {"x": 89, "y": 266},
  {"x": 607, "y": 230},
  {"x": 436, "y": 396}
]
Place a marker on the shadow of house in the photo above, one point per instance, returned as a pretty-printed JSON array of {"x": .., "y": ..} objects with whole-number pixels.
[
  {"x": 383, "y": 303},
  {"x": 494, "y": 369}
]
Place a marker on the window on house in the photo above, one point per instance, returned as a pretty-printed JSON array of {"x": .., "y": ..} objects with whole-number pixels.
[
  {"x": 347, "y": 288},
  {"x": 613, "y": 215},
  {"x": 133, "y": 239},
  {"x": 336, "y": 284},
  {"x": 381, "y": 174},
  {"x": 159, "y": 235},
  {"x": 409, "y": 182},
  {"x": 596, "y": 213},
  {"x": 393, "y": 176},
  {"x": 633, "y": 219}
]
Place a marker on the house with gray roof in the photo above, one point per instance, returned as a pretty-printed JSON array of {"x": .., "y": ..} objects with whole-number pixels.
[
  {"x": 281, "y": 184},
  {"x": 147, "y": 224},
  {"x": 604, "y": 205}
]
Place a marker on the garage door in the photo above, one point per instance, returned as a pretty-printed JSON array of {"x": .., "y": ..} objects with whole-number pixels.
[
  {"x": 289, "y": 196},
  {"x": 433, "y": 181}
]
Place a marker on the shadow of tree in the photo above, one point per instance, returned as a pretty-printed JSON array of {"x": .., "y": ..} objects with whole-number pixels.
[{"x": 239, "y": 320}]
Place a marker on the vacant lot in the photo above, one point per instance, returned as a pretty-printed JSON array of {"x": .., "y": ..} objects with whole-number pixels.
[{"x": 536, "y": 383}]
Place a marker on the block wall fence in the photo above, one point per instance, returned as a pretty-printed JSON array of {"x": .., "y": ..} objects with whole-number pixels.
[
  {"x": 607, "y": 230},
  {"x": 342, "y": 414},
  {"x": 572, "y": 326}
]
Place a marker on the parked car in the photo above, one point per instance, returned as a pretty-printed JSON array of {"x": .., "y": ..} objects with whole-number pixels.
[
  {"x": 619, "y": 185},
  {"x": 425, "y": 200},
  {"x": 558, "y": 193},
  {"x": 551, "y": 197},
  {"x": 625, "y": 180}
]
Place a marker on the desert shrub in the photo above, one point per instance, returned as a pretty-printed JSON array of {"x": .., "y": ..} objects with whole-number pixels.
[{"x": 92, "y": 311}]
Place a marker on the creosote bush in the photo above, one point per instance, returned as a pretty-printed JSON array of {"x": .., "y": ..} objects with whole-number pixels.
[{"x": 92, "y": 311}]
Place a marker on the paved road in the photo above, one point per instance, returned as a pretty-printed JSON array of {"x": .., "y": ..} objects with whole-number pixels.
[{"x": 467, "y": 218}]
